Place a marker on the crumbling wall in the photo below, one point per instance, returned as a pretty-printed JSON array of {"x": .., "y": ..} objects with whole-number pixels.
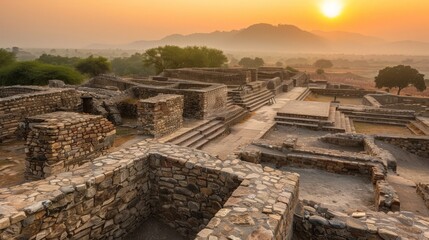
[
  {"x": 237, "y": 77},
  {"x": 416, "y": 145},
  {"x": 161, "y": 115},
  {"x": 60, "y": 141},
  {"x": 15, "y": 90},
  {"x": 316, "y": 222},
  {"x": 15, "y": 109}
]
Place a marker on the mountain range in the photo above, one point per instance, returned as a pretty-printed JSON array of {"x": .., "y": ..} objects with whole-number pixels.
[{"x": 264, "y": 37}]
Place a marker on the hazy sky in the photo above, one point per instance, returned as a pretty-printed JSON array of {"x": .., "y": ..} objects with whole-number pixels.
[{"x": 78, "y": 23}]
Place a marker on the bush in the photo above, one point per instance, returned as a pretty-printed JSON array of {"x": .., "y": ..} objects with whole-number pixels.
[
  {"x": 36, "y": 73},
  {"x": 93, "y": 66}
]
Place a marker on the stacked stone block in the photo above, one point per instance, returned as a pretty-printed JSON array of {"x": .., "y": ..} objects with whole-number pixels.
[
  {"x": 60, "y": 141},
  {"x": 237, "y": 77},
  {"x": 161, "y": 115},
  {"x": 14, "y": 109}
]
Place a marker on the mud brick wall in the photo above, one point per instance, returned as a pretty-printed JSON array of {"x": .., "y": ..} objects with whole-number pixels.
[
  {"x": 161, "y": 115},
  {"x": 60, "y": 141},
  {"x": 15, "y": 109},
  {"x": 15, "y": 90},
  {"x": 386, "y": 198},
  {"x": 227, "y": 78},
  {"x": 112, "y": 195},
  {"x": 416, "y": 145}
]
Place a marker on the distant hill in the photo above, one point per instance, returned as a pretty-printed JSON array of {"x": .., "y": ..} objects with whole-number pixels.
[{"x": 282, "y": 38}]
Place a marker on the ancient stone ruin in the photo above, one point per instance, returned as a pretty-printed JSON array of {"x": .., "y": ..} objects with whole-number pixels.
[{"x": 212, "y": 153}]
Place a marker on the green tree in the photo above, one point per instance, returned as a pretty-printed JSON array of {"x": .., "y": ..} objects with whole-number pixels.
[
  {"x": 279, "y": 64},
  {"x": 58, "y": 60},
  {"x": 93, "y": 66},
  {"x": 323, "y": 63},
  {"x": 400, "y": 77},
  {"x": 132, "y": 66},
  {"x": 251, "y": 63},
  {"x": 175, "y": 57},
  {"x": 320, "y": 71},
  {"x": 6, "y": 57},
  {"x": 36, "y": 73}
]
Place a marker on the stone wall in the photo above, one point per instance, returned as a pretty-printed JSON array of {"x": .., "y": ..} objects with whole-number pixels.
[
  {"x": 109, "y": 81},
  {"x": 231, "y": 77},
  {"x": 161, "y": 115},
  {"x": 111, "y": 196},
  {"x": 416, "y": 145},
  {"x": 201, "y": 101},
  {"x": 15, "y": 90},
  {"x": 15, "y": 109},
  {"x": 60, "y": 141},
  {"x": 356, "y": 93},
  {"x": 423, "y": 190}
]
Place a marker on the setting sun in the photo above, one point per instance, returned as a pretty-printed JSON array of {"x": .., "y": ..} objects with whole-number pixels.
[{"x": 331, "y": 8}]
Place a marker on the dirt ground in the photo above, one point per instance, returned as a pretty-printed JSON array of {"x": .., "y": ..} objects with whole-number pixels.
[
  {"x": 323, "y": 98},
  {"x": 371, "y": 128},
  {"x": 342, "y": 193},
  {"x": 411, "y": 169},
  {"x": 12, "y": 163}
]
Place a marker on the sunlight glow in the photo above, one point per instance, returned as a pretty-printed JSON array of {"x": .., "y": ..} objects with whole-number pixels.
[{"x": 331, "y": 8}]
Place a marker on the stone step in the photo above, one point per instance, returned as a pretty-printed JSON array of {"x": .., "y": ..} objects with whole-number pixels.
[
  {"x": 302, "y": 120},
  {"x": 332, "y": 112},
  {"x": 380, "y": 119},
  {"x": 418, "y": 127},
  {"x": 381, "y": 115},
  {"x": 249, "y": 97},
  {"x": 304, "y": 94},
  {"x": 377, "y": 122},
  {"x": 200, "y": 143},
  {"x": 216, "y": 134},
  {"x": 236, "y": 118},
  {"x": 256, "y": 106},
  {"x": 209, "y": 125},
  {"x": 212, "y": 130},
  {"x": 415, "y": 130},
  {"x": 185, "y": 137},
  {"x": 191, "y": 140},
  {"x": 311, "y": 126}
]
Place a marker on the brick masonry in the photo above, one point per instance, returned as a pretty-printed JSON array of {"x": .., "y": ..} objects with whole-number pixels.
[
  {"x": 14, "y": 109},
  {"x": 60, "y": 141},
  {"x": 161, "y": 115}
]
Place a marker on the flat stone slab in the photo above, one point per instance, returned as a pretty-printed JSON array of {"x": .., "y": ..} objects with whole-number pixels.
[{"x": 318, "y": 110}]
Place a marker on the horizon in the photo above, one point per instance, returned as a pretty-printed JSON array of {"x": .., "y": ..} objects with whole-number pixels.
[{"x": 78, "y": 24}]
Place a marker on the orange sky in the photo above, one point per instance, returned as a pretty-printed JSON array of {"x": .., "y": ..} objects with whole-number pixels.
[{"x": 77, "y": 23}]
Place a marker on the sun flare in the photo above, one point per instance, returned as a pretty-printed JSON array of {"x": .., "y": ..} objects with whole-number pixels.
[{"x": 331, "y": 8}]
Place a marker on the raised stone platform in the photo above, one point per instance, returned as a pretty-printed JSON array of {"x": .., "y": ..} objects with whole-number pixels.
[{"x": 317, "y": 110}]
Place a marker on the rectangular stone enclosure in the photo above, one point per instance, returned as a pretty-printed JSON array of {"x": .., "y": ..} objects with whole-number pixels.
[
  {"x": 60, "y": 141},
  {"x": 161, "y": 115}
]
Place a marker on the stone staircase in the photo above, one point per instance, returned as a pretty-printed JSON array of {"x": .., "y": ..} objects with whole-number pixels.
[
  {"x": 335, "y": 122},
  {"x": 232, "y": 115},
  {"x": 251, "y": 96},
  {"x": 304, "y": 95},
  {"x": 198, "y": 137},
  {"x": 420, "y": 126},
  {"x": 380, "y": 116}
]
